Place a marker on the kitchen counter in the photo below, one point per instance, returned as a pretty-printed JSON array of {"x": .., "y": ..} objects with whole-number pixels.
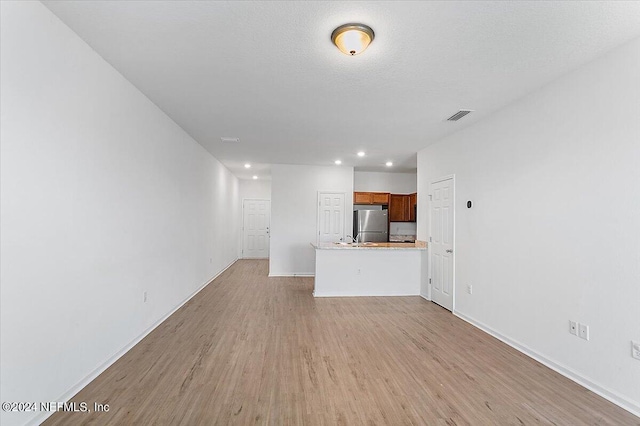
[
  {"x": 370, "y": 269},
  {"x": 418, "y": 245}
]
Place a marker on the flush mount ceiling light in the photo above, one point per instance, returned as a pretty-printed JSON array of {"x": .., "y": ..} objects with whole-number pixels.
[
  {"x": 388, "y": 164},
  {"x": 255, "y": 177},
  {"x": 352, "y": 39},
  {"x": 247, "y": 166},
  {"x": 361, "y": 154},
  {"x": 338, "y": 162}
]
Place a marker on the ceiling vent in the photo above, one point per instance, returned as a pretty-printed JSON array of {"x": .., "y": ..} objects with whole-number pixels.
[
  {"x": 230, "y": 140},
  {"x": 458, "y": 115}
]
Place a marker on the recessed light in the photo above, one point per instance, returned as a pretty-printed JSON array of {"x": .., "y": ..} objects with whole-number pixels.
[
  {"x": 389, "y": 164},
  {"x": 247, "y": 166},
  {"x": 255, "y": 177},
  {"x": 338, "y": 162},
  {"x": 361, "y": 154}
]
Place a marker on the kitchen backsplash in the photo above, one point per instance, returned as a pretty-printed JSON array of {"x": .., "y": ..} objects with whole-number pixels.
[{"x": 402, "y": 228}]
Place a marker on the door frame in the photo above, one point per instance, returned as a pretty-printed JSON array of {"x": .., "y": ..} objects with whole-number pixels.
[
  {"x": 453, "y": 255},
  {"x": 344, "y": 219},
  {"x": 243, "y": 227}
]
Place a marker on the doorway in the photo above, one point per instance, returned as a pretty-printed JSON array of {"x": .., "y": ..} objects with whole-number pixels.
[
  {"x": 256, "y": 218},
  {"x": 441, "y": 241}
]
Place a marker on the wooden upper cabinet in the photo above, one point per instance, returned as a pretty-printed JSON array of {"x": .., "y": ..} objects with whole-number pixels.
[
  {"x": 402, "y": 207},
  {"x": 380, "y": 198},
  {"x": 371, "y": 198},
  {"x": 398, "y": 208},
  {"x": 361, "y": 198},
  {"x": 413, "y": 202}
]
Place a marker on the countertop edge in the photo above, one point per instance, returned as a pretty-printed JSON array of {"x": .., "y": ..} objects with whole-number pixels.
[{"x": 418, "y": 245}]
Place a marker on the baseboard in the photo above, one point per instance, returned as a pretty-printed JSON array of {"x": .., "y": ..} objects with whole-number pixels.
[
  {"x": 293, "y": 274},
  {"x": 41, "y": 417},
  {"x": 425, "y": 297},
  {"x": 607, "y": 394},
  {"x": 363, "y": 295}
]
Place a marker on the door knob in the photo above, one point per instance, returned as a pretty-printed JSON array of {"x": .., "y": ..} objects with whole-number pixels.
[{"x": 449, "y": 251}]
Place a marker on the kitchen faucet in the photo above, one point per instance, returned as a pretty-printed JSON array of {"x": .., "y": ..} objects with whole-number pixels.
[{"x": 353, "y": 240}]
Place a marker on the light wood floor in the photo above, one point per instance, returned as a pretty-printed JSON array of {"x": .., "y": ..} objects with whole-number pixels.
[{"x": 255, "y": 350}]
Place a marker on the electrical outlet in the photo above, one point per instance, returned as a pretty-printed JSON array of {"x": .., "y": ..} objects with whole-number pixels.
[
  {"x": 635, "y": 349},
  {"x": 144, "y": 297},
  {"x": 583, "y": 331},
  {"x": 573, "y": 328},
  {"x": 358, "y": 271},
  {"x": 470, "y": 289}
]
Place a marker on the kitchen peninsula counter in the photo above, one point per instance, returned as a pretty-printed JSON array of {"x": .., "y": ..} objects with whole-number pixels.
[
  {"x": 418, "y": 245},
  {"x": 370, "y": 269}
]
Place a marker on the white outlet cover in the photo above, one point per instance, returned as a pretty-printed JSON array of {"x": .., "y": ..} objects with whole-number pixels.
[
  {"x": 635, "y": 349},
  {"x": 573, "y": 328},
  {"x": 583, "y": 331}
]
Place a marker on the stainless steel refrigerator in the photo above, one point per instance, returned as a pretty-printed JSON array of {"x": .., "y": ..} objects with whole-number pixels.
[{"x": 371, "y": 225}]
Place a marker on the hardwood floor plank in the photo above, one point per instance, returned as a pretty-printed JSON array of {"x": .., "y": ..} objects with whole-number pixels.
[{"x": 249, "y": 349}]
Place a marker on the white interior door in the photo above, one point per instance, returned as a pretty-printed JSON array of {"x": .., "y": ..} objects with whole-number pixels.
[
  {"x": 331, "y": 216},
  {"x": 255, "y": 228},
  {"x": 441, "y": 242}
]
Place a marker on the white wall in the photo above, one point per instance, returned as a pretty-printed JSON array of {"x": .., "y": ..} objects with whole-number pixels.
[
  {"x": 367, "y": 207},
  {"x": 250, "y": 189},
  {"x": 255, "y": 189},
  {"x": 553, "y": 233},
  {"x": 294, "y": 209},
  {"x": 102, "y": 197},
  {"x": 402, "y": 228},
  {"x": 396, "y": 183}
]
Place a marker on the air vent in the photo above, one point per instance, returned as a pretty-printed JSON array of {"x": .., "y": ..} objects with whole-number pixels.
[
  {"x": 230, "y": 140},
  {"x": 458, "y": 115}
]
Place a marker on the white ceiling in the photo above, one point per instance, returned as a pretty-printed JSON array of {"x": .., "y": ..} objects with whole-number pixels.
[{"x": 266, "y": 72}]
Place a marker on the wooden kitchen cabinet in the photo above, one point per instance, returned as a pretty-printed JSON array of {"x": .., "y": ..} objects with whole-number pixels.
[
  {"x": 371, "y": 198},
  {"x": 379, "y": 198},
  {"x": 413, "y": 203},
  {"x": 399, "y": 208},
  {"x": 361, "y": 198},
  {"x": 402, "y": 207}
]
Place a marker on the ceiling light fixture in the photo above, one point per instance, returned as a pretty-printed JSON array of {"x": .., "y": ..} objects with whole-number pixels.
[
  {"x": 361, "y": 154},
  {"x": 352, "y": 39},
  {"x": 255, "y": 177},
  {"x": 338, "y": 162},
  {"x": 247, "y": 166},
  {"x": 389, "y": 164}
]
